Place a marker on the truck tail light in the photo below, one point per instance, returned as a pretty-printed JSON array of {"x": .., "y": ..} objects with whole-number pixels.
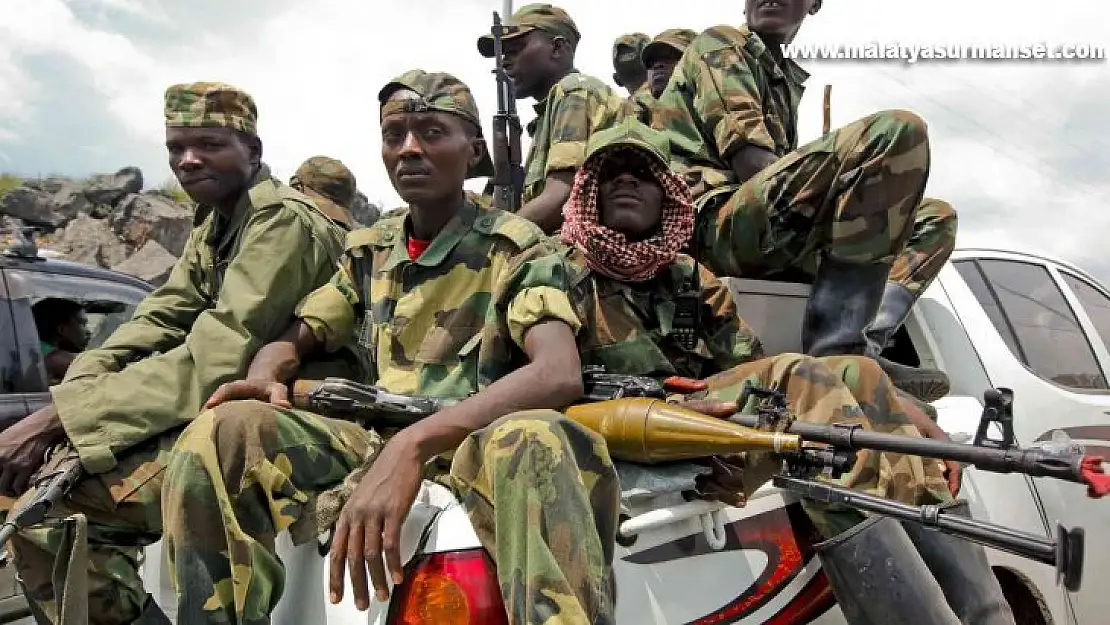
[{"x": 451, "y": 588}]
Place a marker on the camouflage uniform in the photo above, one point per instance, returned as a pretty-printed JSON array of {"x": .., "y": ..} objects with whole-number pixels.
[
  {"x": 846, "y": 209},
  {"x": 234, "y": 288},
  {"x": 448, "y": 324},
  {"x": 627, "y": 49},
  {"x": 330, "y": 184},
  {"x": 576, "y": 107},
  {"x": 677, "y": 39}
]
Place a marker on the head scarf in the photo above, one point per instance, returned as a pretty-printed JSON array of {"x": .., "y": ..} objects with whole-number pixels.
[{"x": 609, "y": 252}]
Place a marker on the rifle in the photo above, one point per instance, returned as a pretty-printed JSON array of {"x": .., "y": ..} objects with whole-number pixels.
[
  {"x": 508, "y": 172},
  {"x": 351, "y": 401},
  {"x": 62, "y": 473},
  {"x": 598, "y": 385}
]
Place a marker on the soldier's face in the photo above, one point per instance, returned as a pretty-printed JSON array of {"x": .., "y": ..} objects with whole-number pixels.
[
  {"x": 529, "y": 62},
  {"x": 428, "y": 155},
  {"x": 630, "y": 199},
  {"x": 778, "y": 20},
  {"x": 213, "y": 165},
  {"x": 660, "y": 69}
]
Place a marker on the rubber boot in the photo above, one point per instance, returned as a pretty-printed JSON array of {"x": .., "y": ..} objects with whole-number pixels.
[
  {"x": 152, "y": 614},
  {"x": 842, "y": 302},
  {"x": 925, "y": 384},
  {"x": 879, "y": 578},
  {"x": 963, "y": 572}
]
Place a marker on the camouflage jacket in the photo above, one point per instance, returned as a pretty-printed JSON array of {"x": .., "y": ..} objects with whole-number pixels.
[
  {"x": 451, "y": 322},
  {"x": 639, "y": 104},
  {"x": 725, "y": 93},
  {"x": 576, "y": 107},
  {"x": 626, "y": 326},
  {"x": 234, "y": 289}
]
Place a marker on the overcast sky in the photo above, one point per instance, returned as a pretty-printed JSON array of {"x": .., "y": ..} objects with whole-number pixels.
[{"x": 1021, "y": 148}]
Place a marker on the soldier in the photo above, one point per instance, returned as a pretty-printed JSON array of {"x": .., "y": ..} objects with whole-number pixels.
[
  {"x": 662, "y": 54},
  {"x": 539, "y": 47},
  {"x": 446, "y": 311},
  {"x": 844, "y": 212},
  {"x": 330, "y": 184},
  {"x": 626, "y": 221},
  {"x": 258, "y": 247},
  {"x": 629, "y": 71}
]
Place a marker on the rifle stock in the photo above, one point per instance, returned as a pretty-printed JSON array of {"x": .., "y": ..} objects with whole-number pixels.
[{"x": 508, "y": 171}]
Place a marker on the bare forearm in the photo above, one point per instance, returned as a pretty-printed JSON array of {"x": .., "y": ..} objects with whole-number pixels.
[
  {"x": 546, "y": 211},
  {"x": 750, "y": 160},
  {"x": 280, "y": 360}
]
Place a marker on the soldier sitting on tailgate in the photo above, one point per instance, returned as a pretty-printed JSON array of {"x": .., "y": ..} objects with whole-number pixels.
[
  {"x": 445, "y": 310},
  {"x": 539, "y": 45},
  {"x": 649, "y": 310},
  {"x": 844, "y": 212}
]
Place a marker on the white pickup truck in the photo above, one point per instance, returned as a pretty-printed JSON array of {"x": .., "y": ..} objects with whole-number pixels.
[{"x": 992, "y": 319}]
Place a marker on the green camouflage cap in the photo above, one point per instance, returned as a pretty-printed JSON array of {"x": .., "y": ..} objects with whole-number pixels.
[
  {"x": 328, "y": 177},
  {"x": 675, "y": 38},
  {"x": 627, "y": 48},
  {"x": 545, "y": 17},
  {"x": 630, "y": 131},
  {"x": 210, "y": 104},
  {"x": 434, "y": 91}
]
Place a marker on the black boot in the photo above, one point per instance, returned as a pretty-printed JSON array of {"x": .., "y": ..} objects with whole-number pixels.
[
  {"x": 925, "y": 384},
  {"x": 963, "y": 572},
  {"x": 879, "y": 578},
  {"x": 842, "y": 302}
]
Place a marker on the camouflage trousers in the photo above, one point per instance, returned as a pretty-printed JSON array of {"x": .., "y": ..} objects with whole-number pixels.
[
  {"x": 838, "y": 389},
  {"x": 540, "y": 490},
  {"x": 855, "y": 194},
  {"x": 124, "y": 516}
]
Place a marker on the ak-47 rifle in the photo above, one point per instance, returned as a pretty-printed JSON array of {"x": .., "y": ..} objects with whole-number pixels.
[
  {"x": 58, "y": 476},
  {"x": 508, "y": 171}
]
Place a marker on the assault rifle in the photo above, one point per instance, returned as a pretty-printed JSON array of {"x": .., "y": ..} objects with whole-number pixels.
[
  {"x": 60, "y": 474},
  {"x": 508, "y": 172}
]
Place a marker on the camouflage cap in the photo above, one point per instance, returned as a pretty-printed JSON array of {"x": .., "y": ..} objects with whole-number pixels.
[
  {"x": 328, "y": 177},
  {"x": 545, "y": 17},
  {"x": 677, "y": 39},
  {"x": 210, "y": 104},
  {"x": 627, "y": 48},
  {"x": 435, "y": 91},
  {"x": 630, "y": 131}
]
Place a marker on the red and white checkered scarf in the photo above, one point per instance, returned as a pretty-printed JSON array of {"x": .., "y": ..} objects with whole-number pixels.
[{"x": 609, "y": 252}]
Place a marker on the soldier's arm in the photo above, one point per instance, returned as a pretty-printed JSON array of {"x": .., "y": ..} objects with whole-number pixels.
[
  {"x": 159, "y": 323},
  {"x": 278, "y": 263},
  {"x": 571, "y": 126},
  {"x": 730, "y": 340}
]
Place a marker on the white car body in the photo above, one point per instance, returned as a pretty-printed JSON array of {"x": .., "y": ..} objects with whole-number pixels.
[{"x": 697, "y": 562}]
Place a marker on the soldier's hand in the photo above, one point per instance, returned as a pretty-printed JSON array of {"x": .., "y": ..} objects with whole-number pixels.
[
  {"x": 711, "y": 407},
  {"x": 23, "y": 448},
  {"x": 369, "y": 528},
  {"x": 268, "y": 391}
]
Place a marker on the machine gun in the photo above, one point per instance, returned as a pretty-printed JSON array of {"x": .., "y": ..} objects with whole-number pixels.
[{"x": 508, "y": 171}]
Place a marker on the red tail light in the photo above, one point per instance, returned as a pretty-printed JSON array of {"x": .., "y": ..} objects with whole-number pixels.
[{"x": 453, "y": 588}]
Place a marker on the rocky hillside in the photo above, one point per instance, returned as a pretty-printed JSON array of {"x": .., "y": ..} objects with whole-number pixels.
[{"x": 109, "y": 221}]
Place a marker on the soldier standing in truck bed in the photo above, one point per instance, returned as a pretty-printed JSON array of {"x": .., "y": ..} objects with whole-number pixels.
[
  {"x": 845, "y": 212},
  {"x": 659, "y": 57},
  {"x": 539, "y": 47}
]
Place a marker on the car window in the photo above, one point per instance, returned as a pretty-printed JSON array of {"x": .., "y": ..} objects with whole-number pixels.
[
  {"x": 1094, "y": 302},
  {"x": 971, "y": 274},
  {"x": 9, "y": 351},
  {"x": 1048, "y": 336}
]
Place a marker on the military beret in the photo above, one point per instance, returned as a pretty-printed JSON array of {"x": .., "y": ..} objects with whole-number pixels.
[
  {"x": 677, "y": 39},
  {"x": 631, "y": 132},
  {"x": 328, "y": 177},
  {"x": 627, "y": 48},
  {"x": 210, "y": 104},
  {"x": 434, "y": 91},
  {"x": 545, "y": 17}
]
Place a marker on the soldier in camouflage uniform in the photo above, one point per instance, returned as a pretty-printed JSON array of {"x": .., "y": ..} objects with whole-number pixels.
[
  {"x": 445, "y": 310},
  {"x": 258, "y": 247},
  {"x": 844, "y": 212},
  {"x": 627, "y": 219},
  {"x": 630, "y": 73},
  {"x": 660, "y": 57},
  {"x": 539, "y": 47},
  {"x": 330, "y": 184}
]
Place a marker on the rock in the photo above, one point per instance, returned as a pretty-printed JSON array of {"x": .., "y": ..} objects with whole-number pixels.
[
  {"x": 146, "y": 217},
  {"x": 151, "y": 263},
  {"x": 33, "y": 207},
  {"x": 363, "y": 211},
  {"x": 92, "y": 241},
  {"x": 111, "y": 188}
]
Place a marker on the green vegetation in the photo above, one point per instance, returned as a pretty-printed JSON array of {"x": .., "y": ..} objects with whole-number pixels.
[
  {"x": 8, "y": 182},
  {"x": 174, "y": 190}
]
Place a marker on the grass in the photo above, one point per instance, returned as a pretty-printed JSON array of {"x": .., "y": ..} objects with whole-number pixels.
[
  {"x": 174, "y": 190},
  {"x": 8, "y": 182}
]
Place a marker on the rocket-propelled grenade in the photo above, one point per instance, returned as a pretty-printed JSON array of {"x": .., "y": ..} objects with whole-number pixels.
[{"x": 649, "y": 431}]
